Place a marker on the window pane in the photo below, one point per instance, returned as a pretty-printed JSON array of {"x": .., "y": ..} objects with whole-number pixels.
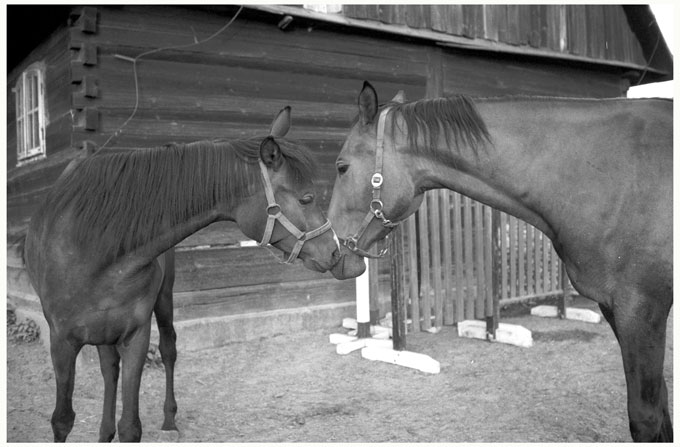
[
  {"x": 36, "y": 131},
  {"x": 34, "y": 91},
  {"x": 29, "y": 130}
]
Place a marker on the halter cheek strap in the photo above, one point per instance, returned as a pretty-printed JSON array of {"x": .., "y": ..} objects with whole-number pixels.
[
  {"x": 274, "y": 214},
  {"x": 376, "y": 205}
]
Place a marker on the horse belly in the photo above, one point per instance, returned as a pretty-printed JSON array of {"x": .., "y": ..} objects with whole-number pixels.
[{"x": 107, "y": 326}]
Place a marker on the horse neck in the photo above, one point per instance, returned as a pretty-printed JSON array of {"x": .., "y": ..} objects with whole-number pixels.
[
  {"x": 496, "y": 173},
  {"x": 159, "y": 211},
  {"x": 173, "y": 235}
]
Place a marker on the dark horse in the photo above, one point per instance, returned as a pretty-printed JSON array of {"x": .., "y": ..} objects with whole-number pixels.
[
  {"x": 99, "y": 251},
  {"x": 594, "y": 175}
]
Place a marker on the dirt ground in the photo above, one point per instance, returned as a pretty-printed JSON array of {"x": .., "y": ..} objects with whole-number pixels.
[{"x": 568, "y": 387}]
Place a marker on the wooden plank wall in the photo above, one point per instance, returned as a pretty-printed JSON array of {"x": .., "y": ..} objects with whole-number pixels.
[
  {"x": 26, "y": 184},
  {"x": 231, "y": 87},
  {"x": 228, "y": 87},
  {"x": 594, "y": 31}
]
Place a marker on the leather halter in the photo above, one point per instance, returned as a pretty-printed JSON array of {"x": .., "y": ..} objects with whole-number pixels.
[
  {"x": 275, "y": 213},
  {"x": 376, "y": 205}
]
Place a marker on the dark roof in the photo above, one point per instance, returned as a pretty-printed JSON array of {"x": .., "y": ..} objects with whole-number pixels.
[{"x": 648, "y": 55}]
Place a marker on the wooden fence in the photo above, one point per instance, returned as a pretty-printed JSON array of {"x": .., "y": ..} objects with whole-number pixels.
[{"x": 459, "y": 259}]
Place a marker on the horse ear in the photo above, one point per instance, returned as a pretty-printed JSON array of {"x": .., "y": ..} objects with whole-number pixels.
[
  {"x": 281, "y": 124},
  {"x": 368, "y": 103},
  {"x": 270, "y": 153},
  {"x": 400, "y": 97}
]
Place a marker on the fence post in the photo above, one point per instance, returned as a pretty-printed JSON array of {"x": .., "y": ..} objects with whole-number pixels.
[
  {"x": 563, "y": 300},
  {"x": 492, "y": 309},
  {"x": 374, "y": 288},
  {"x": 397, "y": 291},
  {"x": 363, "y": 305}
]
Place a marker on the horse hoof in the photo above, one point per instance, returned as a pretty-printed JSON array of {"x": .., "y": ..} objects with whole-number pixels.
[
  {"x": 169, "y": 426},
  {"x": 171, "y": 435}
]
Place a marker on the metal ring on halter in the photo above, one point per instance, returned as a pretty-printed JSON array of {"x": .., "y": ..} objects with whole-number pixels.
[
  {"x": 351, "y": 244},
  {"x": 376, "y": 205},
  {"x": 275, "y": 213},
  {"x": 272, "y": 206}
]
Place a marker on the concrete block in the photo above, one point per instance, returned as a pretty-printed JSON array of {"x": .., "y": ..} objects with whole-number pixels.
[
  {"x": 408, "y": 359},
  {"x": 572, "y": 313},
  {"x": 506, "y": 333},
  {"x": 360, "y": 343}
]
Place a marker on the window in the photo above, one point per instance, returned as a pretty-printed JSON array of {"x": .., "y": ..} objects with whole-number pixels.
[{"x": 29, "y": 95}]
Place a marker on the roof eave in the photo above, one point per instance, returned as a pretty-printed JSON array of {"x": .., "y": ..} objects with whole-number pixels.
[{"x": 653, "y": 73}]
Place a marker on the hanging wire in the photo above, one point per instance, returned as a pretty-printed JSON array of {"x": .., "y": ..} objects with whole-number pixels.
[{"x": 156, "y": 50}]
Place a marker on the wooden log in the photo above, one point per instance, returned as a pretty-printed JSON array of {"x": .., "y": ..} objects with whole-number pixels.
[
  {"x": 480, "y": 270},
  {"x": 424, "y": 249},
  {"x": 514, "y": 287},
  {"x": 504, "y": 254},
  {"x": 457, "y": 228},
  {"x": 414, "y": 286},
  {"x": 493, "y": 308},
  {"x": 445, "y": 214},
  {"x": 521, "y": 246},
  {"x": 230, "y": 267},
  {"x": 468, "y": 260},
  {"x": 397, "y": 293},
  {"x": 436, "y": 241}
]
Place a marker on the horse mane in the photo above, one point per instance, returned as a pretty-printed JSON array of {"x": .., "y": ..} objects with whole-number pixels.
[
  {"x": 122, "y": 200},
  {"x": 455, "y": 117}
]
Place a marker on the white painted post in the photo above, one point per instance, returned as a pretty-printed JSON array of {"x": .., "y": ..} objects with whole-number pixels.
[{"x": 363, "y": 304}]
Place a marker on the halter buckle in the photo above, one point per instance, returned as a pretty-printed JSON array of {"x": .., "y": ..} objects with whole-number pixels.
[{"x": 377, "y": 180}]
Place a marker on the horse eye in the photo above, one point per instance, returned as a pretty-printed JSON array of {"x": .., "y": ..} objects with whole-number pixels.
[
  {"x": 307, "y": 199},
  {"x": 342, "y": 169}
]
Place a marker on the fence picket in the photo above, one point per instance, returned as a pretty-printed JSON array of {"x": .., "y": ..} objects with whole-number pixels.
[{"x": 452, "y": 271}]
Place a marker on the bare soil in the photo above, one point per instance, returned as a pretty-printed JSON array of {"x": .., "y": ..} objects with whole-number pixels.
[{"x": 568, "y": 387}]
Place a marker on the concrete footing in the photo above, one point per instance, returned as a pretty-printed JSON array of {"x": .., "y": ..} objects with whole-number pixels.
[
  {"x": 511, "y": 334},
  {"x": 572, "y": 313}
]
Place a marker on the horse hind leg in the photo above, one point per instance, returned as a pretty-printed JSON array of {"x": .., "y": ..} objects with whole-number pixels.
[
  {"x": 641, "y": 332},
  {"x": 109, "y": 363},
  {"x": 64, "y": 362},
  {"x": 163, "y": 310}
]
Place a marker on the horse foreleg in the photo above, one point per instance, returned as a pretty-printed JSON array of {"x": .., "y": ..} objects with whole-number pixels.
[
  {"x": 64, "y": 362},
  {"x": 167, "y": 343},
  {"x": 133, "y": 350},
  {"x": 109, "y": 363},
  {"x": 641, "y": 331}
]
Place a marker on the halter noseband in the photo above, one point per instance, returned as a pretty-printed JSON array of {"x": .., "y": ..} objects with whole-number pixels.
[
  {"x": 275, "y": 213},
  {"x": 376, "y": 205}
]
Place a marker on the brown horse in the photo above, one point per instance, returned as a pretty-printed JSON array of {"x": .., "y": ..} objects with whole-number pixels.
[
  {"x": 594, "y": 175},
  {"x": 99, "y": 252}
]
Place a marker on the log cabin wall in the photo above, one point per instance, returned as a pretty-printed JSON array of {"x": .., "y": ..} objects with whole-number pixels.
[{"x": 231, "y": 86}]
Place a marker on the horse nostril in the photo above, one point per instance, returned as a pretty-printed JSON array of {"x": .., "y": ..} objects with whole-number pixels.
[{"x": 335, "y": 257}]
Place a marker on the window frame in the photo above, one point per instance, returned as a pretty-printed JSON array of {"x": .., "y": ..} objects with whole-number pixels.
[{"x": 31, "y": 122}]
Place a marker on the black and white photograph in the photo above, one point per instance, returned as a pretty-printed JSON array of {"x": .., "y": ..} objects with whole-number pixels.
[{"x": 339, "y": 223}]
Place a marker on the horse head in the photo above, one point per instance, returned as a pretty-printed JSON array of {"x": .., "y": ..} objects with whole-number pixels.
[
  {"x": 373, "y": 189},
  {"x": 285, "y": 212}
]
